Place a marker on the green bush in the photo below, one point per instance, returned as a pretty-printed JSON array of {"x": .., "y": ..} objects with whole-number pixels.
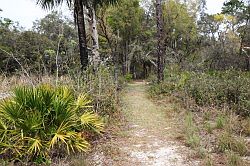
[
  {"x": 212, "y": 88},
  {"x": 128, "y": 77},
  {"x": 41, "y": 122}
]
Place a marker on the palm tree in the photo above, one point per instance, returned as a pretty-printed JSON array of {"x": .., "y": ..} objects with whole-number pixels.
[{"x": 78, "y": 6}]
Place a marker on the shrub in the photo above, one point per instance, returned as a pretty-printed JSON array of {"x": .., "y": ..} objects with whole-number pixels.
[
  {"x": 37, "y": 123},
  {"x": 217, "y": 88},
  {"x": 128, "y": 77}
]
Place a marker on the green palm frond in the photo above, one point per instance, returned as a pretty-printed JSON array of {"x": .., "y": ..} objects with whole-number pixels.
[
  {"x": 36, "y": 120},
  {"x": 82, "y": 102},
  {"x": 10, "y": 110},
  {"x": 80, "y": 144},
  {"x": 35, "y": 145},
  {"x": 92, "y": 121}
]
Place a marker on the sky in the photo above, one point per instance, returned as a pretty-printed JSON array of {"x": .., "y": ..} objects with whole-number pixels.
[{"x": 26, "y": 11}]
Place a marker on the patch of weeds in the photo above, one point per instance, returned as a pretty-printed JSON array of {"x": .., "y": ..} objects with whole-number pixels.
[
  {"x": 240, "y": 146},
  {"x": 189, "y": 124},
  {"x": 201, "y": 152},
  {"x": 208, "y": 127},
  {"x": 192, "y": 138},
  {"x": 220, "y": 122},
  {"x": 224, "y": 142},
  {"x": 232, "y": 122},
  {"x": 245, "y": 126},
  {"x": 227, "y": 142},
  {"x": 234, "y": 159}
]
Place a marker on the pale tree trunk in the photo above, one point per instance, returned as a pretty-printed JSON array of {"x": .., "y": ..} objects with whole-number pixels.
[
  {"x": 160, "y": 42},
  {"x": 94, "y": 36}
]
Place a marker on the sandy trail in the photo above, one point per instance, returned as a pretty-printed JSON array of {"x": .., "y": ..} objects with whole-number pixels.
[{"x": 149, "y": 140}]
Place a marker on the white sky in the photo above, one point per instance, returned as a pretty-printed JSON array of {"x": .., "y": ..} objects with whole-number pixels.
[{"x": 26, "y": 11}]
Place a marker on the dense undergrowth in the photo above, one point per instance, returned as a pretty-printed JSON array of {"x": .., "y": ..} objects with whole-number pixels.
[
  {"x": 215, "y": 88},
  {"x": 46, "y": 118},
  {"x": 217, "y": 108}
]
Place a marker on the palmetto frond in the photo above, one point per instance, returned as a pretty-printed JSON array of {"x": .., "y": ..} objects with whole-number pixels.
[
  {"x": 34, "y": 121},
  {"x": 35, "y": 145},
  {"x": 92, "y": 121},
  {"x": 82, "y": 102}
]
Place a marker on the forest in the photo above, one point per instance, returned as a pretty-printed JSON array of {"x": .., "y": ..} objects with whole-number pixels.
[{"x": 126, "y": 82}]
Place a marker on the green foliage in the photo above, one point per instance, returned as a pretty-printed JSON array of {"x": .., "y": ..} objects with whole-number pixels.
[
  {"x": 39, "y": 122},
  {"x": 128, "y": 77},
  {"x": 126, "y": 18},
  {"x": 35, "y": 49},
  {"x": 215, "y": 88},
  {"x": 179, "y": 25},
  {"x": 220, "y": 122}
]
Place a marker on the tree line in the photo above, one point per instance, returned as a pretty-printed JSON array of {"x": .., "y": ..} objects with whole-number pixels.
[{"x": 136, "y": 38}]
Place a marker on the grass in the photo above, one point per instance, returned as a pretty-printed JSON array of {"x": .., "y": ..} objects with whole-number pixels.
[
  {"x": 245, "y": 126},
  {"x": 192, "y": 137},
  {"x": 208, "y": 127},
  {"x": 220, "y": 121},
  {"x": 233, "y": 159}
]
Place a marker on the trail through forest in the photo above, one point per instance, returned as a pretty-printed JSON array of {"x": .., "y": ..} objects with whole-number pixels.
[{"x": 149, "y": 140}]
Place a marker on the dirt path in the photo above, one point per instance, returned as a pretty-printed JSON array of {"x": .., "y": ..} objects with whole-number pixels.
[{"x": 149, "y": 139}]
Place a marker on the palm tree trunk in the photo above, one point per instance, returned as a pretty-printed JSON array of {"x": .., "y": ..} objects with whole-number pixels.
[
  {"x": 79, "y": 14},
  {"x": 94, "y": 35},
  {"x": 160, "y": 43}
]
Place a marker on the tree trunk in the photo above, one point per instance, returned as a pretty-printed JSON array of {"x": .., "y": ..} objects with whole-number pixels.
[
  {"x": 160, "y": 43},
  {"x": 79, "y": 14},
  {"x": 94, "y": 36}
]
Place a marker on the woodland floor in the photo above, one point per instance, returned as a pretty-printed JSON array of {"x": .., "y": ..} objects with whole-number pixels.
[{"x": 149, "y": 137}]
